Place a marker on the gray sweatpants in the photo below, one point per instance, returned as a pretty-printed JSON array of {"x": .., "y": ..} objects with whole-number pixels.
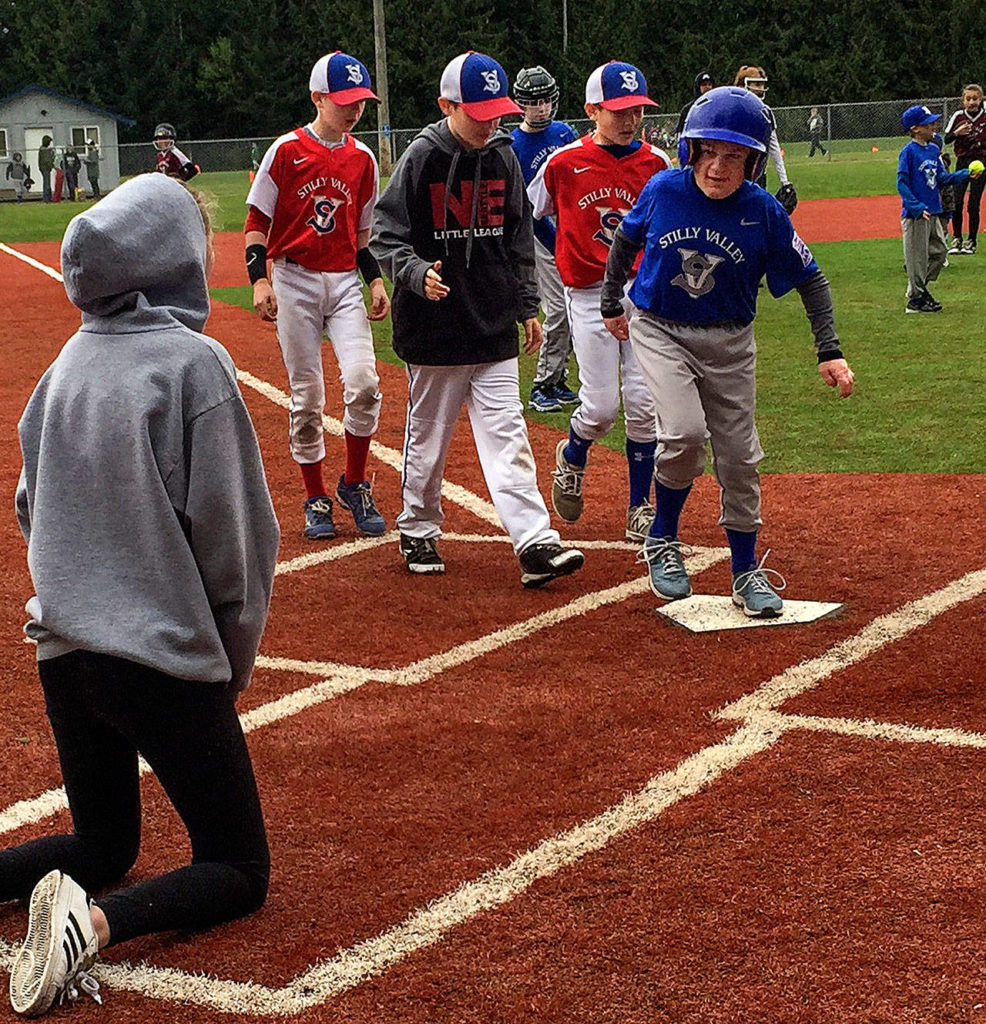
[
  {"x": 557, "y": 347},
  {"x": 703, "y": 379},
  {"x": 924, "y": 252}
]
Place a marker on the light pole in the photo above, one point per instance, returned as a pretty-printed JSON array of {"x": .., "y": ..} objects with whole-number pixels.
[{"x": 383, "y": 109}]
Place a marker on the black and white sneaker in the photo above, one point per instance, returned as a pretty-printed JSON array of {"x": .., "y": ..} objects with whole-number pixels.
[
  {"x": 541, "y": 563},
  {"x": 60, "y": 947},
  {"x": 421, "y": 554}
]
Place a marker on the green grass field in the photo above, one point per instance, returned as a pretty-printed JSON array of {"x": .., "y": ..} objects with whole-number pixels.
[{"x": 921, "y": 380}]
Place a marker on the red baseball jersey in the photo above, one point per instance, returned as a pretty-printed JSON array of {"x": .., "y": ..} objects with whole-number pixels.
[
  {"x": 171, "y": 161},
  {"x": 973, "y": 144},
  {"x": 589, "y": 191},
  {"x": 317, "y": 196}
]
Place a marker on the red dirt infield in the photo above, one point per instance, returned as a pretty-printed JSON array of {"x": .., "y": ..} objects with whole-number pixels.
[{"x": 488, "y": 804}]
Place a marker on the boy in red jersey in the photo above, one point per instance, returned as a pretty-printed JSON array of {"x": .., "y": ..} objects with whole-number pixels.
[
  {"x": 589, "y": 186},
  {"x": 309, "y": 212}
]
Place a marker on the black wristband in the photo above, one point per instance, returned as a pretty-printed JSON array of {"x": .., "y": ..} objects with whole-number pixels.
[
  {"x": 367, "y": 264},
  {"x": 256, "y": 262}
]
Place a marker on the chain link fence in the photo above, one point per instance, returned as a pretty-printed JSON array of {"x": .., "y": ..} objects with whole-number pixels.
[{"x": 846, "y": 129}]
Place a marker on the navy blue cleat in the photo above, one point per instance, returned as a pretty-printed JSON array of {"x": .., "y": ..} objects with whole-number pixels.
[
  {"x": 318, "y": 518},
  {"x": 358, "y": 499}
]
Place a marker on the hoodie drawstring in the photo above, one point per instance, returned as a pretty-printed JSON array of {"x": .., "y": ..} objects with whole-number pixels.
[{"x": 477, "y": 179}]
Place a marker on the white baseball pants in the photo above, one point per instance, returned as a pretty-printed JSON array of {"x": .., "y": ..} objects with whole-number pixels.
[
  {"x": 489, "y": 391},
  {"x": 607, "y": 367},
  {"x": 309, "y": 304}
]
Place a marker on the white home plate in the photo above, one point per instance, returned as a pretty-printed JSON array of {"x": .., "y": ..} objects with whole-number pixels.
[{"x": 703, "y": 613}]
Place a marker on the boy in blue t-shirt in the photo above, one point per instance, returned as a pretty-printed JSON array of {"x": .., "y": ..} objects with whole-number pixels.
[
  {"x": 538, "y": 135},
  {"x": 709, "y": 236},
  {"x": 920, "y": 175}
]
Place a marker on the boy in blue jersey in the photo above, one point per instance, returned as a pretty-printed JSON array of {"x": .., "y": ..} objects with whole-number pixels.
[
  {"x": 536, "y": 93},
  {"x": 709, "y": 235},
  {"x": 920, "y": 174}
]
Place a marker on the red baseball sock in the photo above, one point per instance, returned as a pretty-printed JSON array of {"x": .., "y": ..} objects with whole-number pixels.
[
  {"x": 311, "y": 473},
  {"x": 357, "y": 453}
]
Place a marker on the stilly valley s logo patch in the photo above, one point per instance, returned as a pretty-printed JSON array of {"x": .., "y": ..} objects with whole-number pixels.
[
  {"x": 696, "y": 272},
  {"x": 323, "y": 220}
]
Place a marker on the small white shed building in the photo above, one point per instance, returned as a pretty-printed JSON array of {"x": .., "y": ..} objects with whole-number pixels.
[{"x": 27, "y": 116}]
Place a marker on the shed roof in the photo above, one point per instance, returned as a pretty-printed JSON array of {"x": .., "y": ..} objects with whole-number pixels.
[{"x": 129, "y": 121}]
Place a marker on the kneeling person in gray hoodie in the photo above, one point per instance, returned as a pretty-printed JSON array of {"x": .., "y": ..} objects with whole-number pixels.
[{"x": 151, "y": 542}]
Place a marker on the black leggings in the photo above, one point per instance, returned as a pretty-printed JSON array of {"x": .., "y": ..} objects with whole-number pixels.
[
  {"x": 103, "y": 712},
  {"x": 975, "y": 187}
]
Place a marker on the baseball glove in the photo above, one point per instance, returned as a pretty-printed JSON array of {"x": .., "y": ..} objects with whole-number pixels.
[
  {"x": 787, "y": 197},
  {"x": 29, "y": 183}
]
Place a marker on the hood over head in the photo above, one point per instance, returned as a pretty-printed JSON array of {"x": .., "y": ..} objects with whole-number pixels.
[{"x": 139, "y": 252}]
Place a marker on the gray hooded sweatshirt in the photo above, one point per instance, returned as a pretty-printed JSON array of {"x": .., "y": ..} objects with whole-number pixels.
[{"x": 150, "y": 530}]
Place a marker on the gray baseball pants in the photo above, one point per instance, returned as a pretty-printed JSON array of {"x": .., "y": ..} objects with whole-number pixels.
[
  {"x": 924, "y": 252},
  {"x": 703, "y": 379}
]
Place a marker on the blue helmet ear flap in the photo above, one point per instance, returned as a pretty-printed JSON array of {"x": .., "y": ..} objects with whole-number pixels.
[{"x": 684, "y": 152}]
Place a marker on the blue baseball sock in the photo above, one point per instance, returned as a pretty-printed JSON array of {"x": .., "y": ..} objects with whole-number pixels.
[
  {"x": 743, "y": 548},
  {"x": 577, "y": 449},
  {"x": 640, "y": 459},
  {"x": 669, "y": 503}
]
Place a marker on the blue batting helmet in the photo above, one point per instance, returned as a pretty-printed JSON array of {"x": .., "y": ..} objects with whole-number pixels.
[{"x": 729, "y": 114}]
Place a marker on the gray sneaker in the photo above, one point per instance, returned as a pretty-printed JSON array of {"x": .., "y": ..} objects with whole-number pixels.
[
  {"x": 639, "y": 518},
  {"x": 566, "y": 488},
  {"x": 752, "y": 591},
  {"x": 666, "y": 568}
]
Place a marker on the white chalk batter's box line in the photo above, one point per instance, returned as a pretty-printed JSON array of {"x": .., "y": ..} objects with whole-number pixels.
[{"x": 762, "y": 725}]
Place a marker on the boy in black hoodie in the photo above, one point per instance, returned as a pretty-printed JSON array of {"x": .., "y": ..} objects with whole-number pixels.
[{"x": 453, "y": 231}]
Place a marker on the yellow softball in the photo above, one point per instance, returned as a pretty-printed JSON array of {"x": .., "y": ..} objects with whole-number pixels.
[{"x": 977, "y": 167}]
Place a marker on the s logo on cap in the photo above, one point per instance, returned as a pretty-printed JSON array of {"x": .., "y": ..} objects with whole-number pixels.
[
  {"x": 492, "y": 82},
  {"x": 629, "y": 81}
]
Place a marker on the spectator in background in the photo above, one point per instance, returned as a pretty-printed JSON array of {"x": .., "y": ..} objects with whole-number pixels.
[
  {"x": 19, "y": 173},
  {"x": 816, "y": 124},
  {"x": 46, "y": 164},
  {"x": 966, "y": 132},
  {"x": 71, "y": 165},
  {"x": 91, "y": 160},
  {"x": 703, "y": 83}
]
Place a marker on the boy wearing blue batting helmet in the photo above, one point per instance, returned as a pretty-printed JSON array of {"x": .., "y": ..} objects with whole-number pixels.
[{"x": 709, "y": 235}]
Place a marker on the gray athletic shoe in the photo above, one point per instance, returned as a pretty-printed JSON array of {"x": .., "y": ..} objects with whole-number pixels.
[
  {"x": 753, "y": 592},
  {"x": 666, "y": 568},
  {"x": 639, "y": 518},
  {"x": 566, "y": 487}
]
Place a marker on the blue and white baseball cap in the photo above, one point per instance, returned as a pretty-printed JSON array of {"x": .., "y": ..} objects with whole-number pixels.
[
  {"x": 479, "y": 85},
  {"x": 918, "y": 114},
  {"x": 616, "y": 86},
  {"x": 344, "y": 79}
]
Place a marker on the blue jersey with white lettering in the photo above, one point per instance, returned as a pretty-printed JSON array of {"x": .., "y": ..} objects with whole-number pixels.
[
  {"x": 704, "y": 258},
  {"x": 532, "y": 149}
]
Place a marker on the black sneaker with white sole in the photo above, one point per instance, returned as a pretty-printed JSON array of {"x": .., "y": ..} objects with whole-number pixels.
[
  {"x": 541, "y": 563},
  {"x": 421, "y": 554}
]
